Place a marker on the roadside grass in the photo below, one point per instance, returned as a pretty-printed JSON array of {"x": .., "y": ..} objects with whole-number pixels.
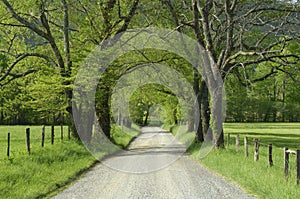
[
  {"x": 122, "y": 136},
  {"x": 45, "y": 169},
  {"x": 257, "y": 178},
  {"x": 180, "y": 133}
]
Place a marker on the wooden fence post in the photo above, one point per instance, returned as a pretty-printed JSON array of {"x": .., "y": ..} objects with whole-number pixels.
[
  {"x": 61, "y": 132},
  {"x": 286, "y": 163},
  {"x": 228, "y": 139},
  {"x": 237, "y": 142},
  {"x": 43, "y": 135},
  {"x": 256, "y": 150},
  {"x": 270, "y": 155},
  {"x": 52, "y": 134},
  {"x": 298, "y": 165},
  {"x": 8, "y": 144},
  {"x": 246, "y": 146},
  {"x": 69, "y": 133},
  {"x": 28, "y": 139}
]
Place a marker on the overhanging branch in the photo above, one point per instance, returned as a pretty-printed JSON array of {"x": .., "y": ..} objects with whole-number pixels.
[{"x": 21, "y": 57}]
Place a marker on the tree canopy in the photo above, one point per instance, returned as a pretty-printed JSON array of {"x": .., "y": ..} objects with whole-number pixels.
[{"x": 254, "y": 45}]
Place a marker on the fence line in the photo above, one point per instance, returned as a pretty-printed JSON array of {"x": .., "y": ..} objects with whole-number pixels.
[
  {"x": 256, "y": 143},
  {"x": 28, "y": 138}
]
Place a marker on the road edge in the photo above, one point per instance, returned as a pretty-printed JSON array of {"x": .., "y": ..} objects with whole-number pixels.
[{"x": 81, "y": 173}]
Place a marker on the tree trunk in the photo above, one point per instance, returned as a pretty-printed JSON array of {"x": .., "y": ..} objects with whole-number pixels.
[
  {"x": 214, "y": 81},
  {"x": 75, "y": 116},
  {"x": 197, "y": 112},
  {"x": 89, "y": 124},
  {"x": 217, "y": 120},
  {"x": 2, "y": 117},
  {"x": 2, "y": 112},
  {"x": 190, "y": 125},
  {"x": 147, "y": 116},
  {"x": 127, "y": 122},
  {"x": 103, "y": 111},
  {"x": 205, "y": 110},
  {"x": 175, "y": 116},
  {"x": 119, "y": 120},
  {"x": 191, "y": 122}
]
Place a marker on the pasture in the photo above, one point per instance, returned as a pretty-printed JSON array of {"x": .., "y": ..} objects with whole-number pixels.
[
  {"x": 258, "y": 177},
  {"x": 45, "y": 170}
]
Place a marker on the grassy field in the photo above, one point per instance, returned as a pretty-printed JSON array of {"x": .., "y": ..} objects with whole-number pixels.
[
  {"x": 279, "y": 134},
  {"x": 257, "y": 178},
  {"x": 45, "y": 169}
]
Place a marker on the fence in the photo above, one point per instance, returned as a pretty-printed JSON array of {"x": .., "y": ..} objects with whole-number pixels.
[
  {"x": 286, "y": 153},
  {"x": 28, "y": 138}
]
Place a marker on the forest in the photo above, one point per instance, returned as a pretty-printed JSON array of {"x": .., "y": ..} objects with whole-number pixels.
[{"x": 45, "y": 43}]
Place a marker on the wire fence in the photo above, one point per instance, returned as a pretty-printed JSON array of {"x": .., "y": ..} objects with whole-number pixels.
[
  {"x": 256, "y": 143},
  {"x": 36, "y": 139}
]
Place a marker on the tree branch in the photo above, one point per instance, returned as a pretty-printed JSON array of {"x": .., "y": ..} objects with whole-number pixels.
[
  {"x": 47, "y": 35},
  {"x": 22, "y": 57},
  {"x": 18, "y": 75},
  {"x": 248, "y": 82},
  {"x": 129, "y": 17}
]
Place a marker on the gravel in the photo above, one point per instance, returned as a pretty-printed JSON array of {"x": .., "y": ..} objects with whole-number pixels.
[{"x": 154, "y": 166}]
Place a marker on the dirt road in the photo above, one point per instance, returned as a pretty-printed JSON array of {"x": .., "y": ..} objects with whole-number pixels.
[{"x": 155, "y": 166}]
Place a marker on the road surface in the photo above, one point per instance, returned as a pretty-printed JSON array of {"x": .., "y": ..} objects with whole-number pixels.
[{"x": 154, "y": 166}]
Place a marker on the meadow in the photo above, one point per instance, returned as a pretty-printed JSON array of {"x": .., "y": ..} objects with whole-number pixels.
[
  {"x": 46, "y": 170},
  {"x": 257, "y": 178}
]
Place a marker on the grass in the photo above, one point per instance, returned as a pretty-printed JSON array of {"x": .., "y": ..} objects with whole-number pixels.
[
  {"x": 257, "y": 177},
  {"x": 45, "y": 169},
  {"x": 181, "y": 133},
  {"x": 122, "y": 136},
  {"x": 279, "y": 134}
]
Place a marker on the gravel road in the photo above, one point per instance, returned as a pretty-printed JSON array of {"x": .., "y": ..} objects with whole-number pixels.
[{"x": 154, "y": 166}]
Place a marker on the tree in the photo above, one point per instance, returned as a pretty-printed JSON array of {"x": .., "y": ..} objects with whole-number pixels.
[
  {"x": 146, "y": 97},
  {"x": 50, "y": 25},
  {"x": 239, "y": 34},
  {"x": 38, "y": 24},
  {"x": 268, "y": 100},
  {"x": 115, "y": 18}
]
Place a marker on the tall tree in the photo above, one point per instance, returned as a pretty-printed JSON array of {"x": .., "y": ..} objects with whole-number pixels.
[
  {"x": 70, "y": 29},
  {"x": 39, "y": 23},
  {"x": 102, "y": 20},
  {"x": 240, "y": 34}
]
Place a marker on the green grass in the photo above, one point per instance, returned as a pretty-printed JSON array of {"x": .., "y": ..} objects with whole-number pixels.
[
  {"x": 279, "y": 134},
  {"x": 180, "y": 133},
  {"x": 257, "y": 177},
  {"x": 123, "y": 135},
  {"x": 46, "y": 169}
]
